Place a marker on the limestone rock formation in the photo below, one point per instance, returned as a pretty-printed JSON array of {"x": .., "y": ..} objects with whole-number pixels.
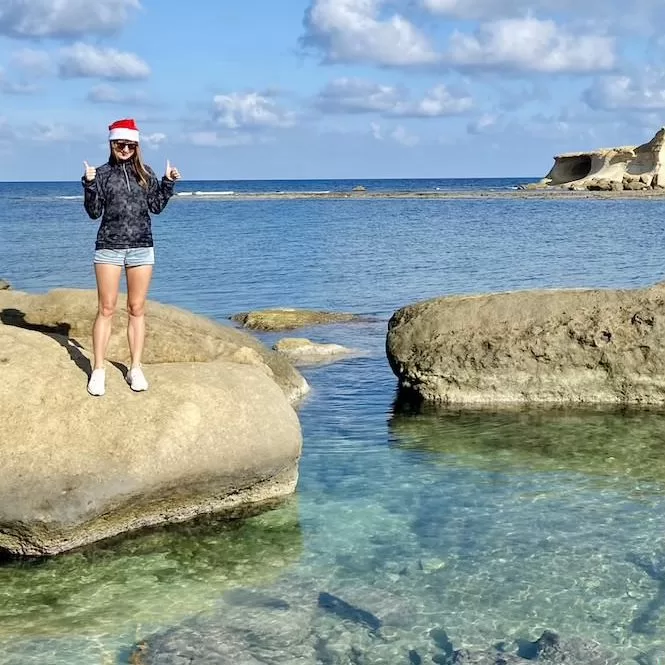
[
  {"x": 557, "y": 346},
  {"x": 632, "y": 168},
  {"x": 214, "y": 434}
]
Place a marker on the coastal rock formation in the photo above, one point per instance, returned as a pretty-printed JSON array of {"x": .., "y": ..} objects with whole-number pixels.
[
  {"x": 302, "y": 351},
  {"x": 632, "y": 168},
  {"x": 288, "y": 319},
  {"x": 216, "y": 432},
  {"x": 4, "y": 285},
  {"x": 557, "y": 346}
]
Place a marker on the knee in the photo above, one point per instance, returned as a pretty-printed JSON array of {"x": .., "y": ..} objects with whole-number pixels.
[
  {"x": 106, "y": 309},
  {"x": 136, "y": 307}
]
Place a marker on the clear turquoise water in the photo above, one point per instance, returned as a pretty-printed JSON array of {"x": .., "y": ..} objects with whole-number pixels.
[{"x": 488, "y": 525}]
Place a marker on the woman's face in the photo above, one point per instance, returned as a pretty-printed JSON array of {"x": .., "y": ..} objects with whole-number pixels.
[{"x": 123, "y": 150}]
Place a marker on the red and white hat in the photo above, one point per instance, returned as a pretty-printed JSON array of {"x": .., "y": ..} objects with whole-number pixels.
[{"x": 124, "y": 130}]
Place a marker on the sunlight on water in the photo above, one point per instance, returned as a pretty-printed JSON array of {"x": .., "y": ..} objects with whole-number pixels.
[{"x": 412, "y": 529}]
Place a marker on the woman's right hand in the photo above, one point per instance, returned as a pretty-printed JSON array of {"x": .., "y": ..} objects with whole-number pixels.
[{"x": 90, "y": 172}]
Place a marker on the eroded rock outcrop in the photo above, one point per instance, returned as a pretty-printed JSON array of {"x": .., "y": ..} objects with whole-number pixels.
[
  {"x": 302, "y": 351},
  {"x": 216, "y": 432},
  {"x": 288, "y": 319},
  {"x": 557, "y": 346},
  {"x": 631, "y": 168}
]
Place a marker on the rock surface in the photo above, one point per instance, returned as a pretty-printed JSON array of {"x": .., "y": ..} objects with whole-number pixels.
[
  {"x": 558, "y": 346},
  {"x": 302, "y": 351},
  {"x": 631, "y": 168},
  {"x": 288, "y": 319},
  {"x": 208, "y": 437},
  {"x": 4, "y": 285}
]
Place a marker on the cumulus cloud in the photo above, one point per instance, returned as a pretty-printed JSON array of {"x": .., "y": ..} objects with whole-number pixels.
[
  {"x": 399, "y": 134},
  {"x": 250, "y": 110},
  {"x": 49, "y": 132},
  {"x": 108, "y": 94},
  {"x": 642, "y": 92},
  {"x": 486, "y": 123},
  {"x": 350, "y": 95},
  {"x": 153, "y": 141},
  {"x": 530, "y": 44},
  {"x": 63, "y": 18},
  {"x": 356, "y": 31},
  {"x": 85, "y": 61}
]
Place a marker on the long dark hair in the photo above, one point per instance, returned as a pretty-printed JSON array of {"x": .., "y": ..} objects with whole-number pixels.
[{"x": 136, "y": 159}]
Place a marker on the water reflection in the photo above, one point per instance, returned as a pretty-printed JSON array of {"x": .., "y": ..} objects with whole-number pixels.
[{"x": 614, "y": 443}]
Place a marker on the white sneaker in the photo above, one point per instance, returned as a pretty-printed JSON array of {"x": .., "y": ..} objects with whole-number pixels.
[
  {"x": 96, "y": 383},
  {"x": 136, "y": 379}
]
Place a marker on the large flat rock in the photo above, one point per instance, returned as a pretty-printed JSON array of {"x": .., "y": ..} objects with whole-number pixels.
[
  {"x": 558, "y": 346},
  {"x": 210, "y": 436}
]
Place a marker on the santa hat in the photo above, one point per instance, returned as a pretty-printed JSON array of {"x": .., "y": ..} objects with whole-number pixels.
[{"x": 124, "y": 130}]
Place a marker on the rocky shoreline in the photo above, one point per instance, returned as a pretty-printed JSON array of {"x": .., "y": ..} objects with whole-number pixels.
[{"x": 550, "y": 193}]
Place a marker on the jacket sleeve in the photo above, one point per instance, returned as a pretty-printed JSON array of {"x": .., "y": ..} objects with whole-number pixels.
[
  {"x": 93, "y": 200},
  {"x": 159, "y": 192}
]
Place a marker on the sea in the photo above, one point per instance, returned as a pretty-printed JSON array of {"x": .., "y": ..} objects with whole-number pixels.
[{"x": 414, "y": 532}]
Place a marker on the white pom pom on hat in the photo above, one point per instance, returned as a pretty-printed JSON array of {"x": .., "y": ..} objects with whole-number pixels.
[{"x": 124, "y": 130}]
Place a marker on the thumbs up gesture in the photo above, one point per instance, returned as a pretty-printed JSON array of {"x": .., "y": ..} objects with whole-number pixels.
[
  {"x": 90, "y": 172},
  {"x": 171, "y": 172}
]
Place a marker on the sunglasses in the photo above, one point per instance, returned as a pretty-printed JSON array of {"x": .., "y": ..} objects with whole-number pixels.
[{"x": 124, "y": 145}]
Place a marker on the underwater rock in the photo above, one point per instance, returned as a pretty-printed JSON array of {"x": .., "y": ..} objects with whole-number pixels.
[
  {"x": 570, "y": 346},
  {"x": 302, "y": 351}
]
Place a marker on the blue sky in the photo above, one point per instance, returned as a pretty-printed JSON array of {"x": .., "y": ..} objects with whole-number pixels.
[{"x": 327, "y": 88}]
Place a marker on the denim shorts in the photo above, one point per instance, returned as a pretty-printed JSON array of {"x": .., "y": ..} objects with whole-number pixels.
[{"x": 131, "y": 257}]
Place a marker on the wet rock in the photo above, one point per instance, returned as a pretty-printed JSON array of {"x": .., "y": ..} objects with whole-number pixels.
[
  {"x": 571, "y": 346},
  {"x": 4, "y": 285},
  {"x": 288, "y": 319}
]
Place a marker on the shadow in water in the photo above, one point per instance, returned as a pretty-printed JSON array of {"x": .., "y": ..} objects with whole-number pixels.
[
  {"x": 598, "y": 441},
  {"x": 158, "y": 576},
  {"x": 58, "y": 332}
]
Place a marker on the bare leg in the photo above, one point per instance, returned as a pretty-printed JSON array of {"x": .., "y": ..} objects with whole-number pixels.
[
  {"x": 108, "y": 284},
  {"x": 138, "y": 283}
]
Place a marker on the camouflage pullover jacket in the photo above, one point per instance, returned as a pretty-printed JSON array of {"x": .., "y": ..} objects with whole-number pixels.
[{"x": 116, "y": 195}]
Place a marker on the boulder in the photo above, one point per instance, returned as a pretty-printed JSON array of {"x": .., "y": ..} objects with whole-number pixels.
[
  {"x": 559, "y": 346},
  {"x": 4, "y": 285},
  {"x": 173, "y": 334},
  {"x": 302, "y": 351},
  {"x": 288, "y": 319},
  {"x": 209, "y": 437}
]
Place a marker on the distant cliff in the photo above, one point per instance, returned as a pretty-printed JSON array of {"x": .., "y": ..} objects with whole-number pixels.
[{"x": 632, "y": 168}]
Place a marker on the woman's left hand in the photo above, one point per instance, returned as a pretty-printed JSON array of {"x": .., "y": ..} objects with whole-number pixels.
[{"x": 171, "y": 172}]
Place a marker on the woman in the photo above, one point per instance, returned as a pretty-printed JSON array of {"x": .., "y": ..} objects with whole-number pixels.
[{"x": 123, "y": 192}]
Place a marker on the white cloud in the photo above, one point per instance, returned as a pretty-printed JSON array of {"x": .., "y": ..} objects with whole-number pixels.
[
  {"x": 375, "y": 128},
  {"x": 153, "y": 141},
  {"x": 216, "y": 140},
  {"x": 349, "y": 95},
  {"x": 85, "y": 61},
  {"x": 483, "y": 125},
  {"x": 63, "y": 18},
  {"x": 250, "y": 111},
  {"x": 642, "y": 92},
  {"x": 355, "y": 31},
  {"x": 530, "y": 44},
  {"x": 438, "y": 102},
  {"x": 346, "y": 95},
  {"x": 48, "y": 132},
  {"x": 108, "y": 94},
  {"x": 402, "y": 136}
]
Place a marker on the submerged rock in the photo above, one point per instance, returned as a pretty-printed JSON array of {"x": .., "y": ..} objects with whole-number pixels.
[
  {"x": 559, "y": 346},
  {"x": 302, "y": 351},
  {"x": 208, "y": 437},
  {"x": 287, "y": 319}
]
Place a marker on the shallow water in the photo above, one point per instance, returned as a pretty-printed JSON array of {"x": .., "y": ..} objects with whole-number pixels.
[{"x": 487, "y": 525}]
